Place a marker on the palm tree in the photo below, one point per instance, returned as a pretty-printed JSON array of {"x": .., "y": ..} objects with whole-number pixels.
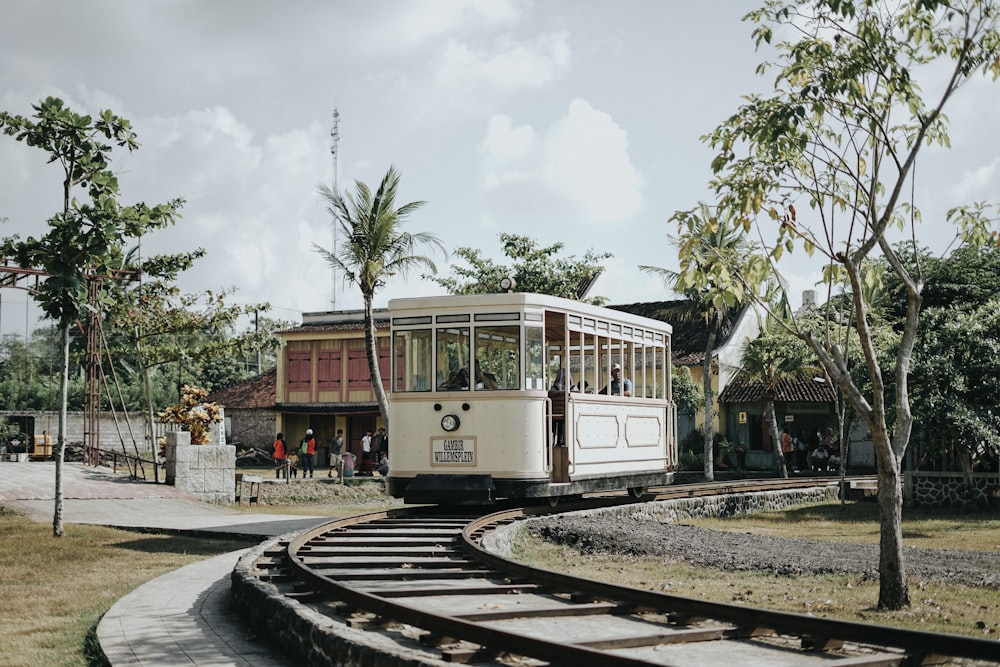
[
  {"x": 375, "y": 249},
  {"x": 708, "y": 246}
]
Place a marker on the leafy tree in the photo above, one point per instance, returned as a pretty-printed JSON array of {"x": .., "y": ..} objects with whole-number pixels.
[
  {"x": 956, "y": 381},
  {"x": 375, "y": 249},
  {"x": 840, "y": 136},
  {"x": 535, "y": 269},
  {"x": 84, "y": 245},
  {"x": 685, "y": 392},
  {"x": 708, "y": 244}
]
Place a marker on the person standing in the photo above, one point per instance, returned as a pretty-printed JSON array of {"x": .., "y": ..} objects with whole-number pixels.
[
  {"x": 336, "y": 449},
  {"x": 787, "y": 450},
  {"x": 309, "y": 454},
  {"x": 278, "y": 449},
  {"x": 379, "y": 442},
  {"x": 366, "y": 446}
]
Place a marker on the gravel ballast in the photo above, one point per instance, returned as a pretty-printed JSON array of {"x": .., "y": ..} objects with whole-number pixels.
[{"x": 741, "y": 551}]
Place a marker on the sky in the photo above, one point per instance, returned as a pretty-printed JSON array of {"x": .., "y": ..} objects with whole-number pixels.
[{"x": 569, "y": 121}]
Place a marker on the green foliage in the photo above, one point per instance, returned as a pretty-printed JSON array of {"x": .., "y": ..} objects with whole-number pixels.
[
  {"x": 684, "y": 392},
  {"x": 840, "y": 136},
  {"x": 84, "y": 243},
  {"x": 956, "y": 378},
  {"x": 536, "y": 269}
]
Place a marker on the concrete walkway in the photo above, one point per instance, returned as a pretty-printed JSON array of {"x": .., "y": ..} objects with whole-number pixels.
[{"x": 180, "y": 618}]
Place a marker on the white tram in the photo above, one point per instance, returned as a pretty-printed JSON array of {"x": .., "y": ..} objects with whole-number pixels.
[{"x": 500, "y": 396}]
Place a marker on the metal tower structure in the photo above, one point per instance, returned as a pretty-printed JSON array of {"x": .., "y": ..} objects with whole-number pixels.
[{"x": 334, "y": 148}]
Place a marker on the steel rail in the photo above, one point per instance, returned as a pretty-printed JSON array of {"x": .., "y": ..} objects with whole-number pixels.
[
  {"x": 312, "y": 557},
  {"x": 913, "y": 642}
]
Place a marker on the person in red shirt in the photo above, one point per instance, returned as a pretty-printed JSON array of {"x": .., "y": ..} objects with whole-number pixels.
[
  {"x": 279, "y": 455},
  {"x": 786, "y": 448},
  {"x": 309, "y": 457}
]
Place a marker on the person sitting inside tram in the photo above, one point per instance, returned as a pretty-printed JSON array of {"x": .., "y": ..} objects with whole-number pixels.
[
  {"x": 485, "y": 380},
  {"x": 563, "y": 381},
  {"x": 618, "y": 386},
  {"x": 456, "y": 381}
]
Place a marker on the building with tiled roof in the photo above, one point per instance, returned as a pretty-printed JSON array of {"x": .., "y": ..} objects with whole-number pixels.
[
  {"x": 323, "y": 382},
  {"x": 805, "y": 406},
  {"x": 249, "y": 411},
  {"x": 690, "y": 340}
]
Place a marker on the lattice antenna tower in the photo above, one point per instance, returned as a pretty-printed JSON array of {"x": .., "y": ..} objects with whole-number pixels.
[{"x": 334, "y": 148}]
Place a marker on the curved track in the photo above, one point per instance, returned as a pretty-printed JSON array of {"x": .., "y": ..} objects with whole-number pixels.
[{"x": 424, "y": 573}]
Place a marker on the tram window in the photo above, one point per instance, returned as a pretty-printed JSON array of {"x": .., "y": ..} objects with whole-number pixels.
[
  {"x": 412, "y": 360},
  {"x": 452, "y": 359},
  {"x": 498, "y": 357},
  {"x": 534, "y": 358}
]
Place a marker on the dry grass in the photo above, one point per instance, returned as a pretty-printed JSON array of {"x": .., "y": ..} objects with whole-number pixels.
[
  {"x": 859, "y": 522},
  {"x": 56, "y": 589},
  {"x": 935, "y": 606}
]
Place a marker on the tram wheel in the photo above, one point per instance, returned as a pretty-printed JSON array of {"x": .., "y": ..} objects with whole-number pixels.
[
  {"x": 637, "y": 491},
  {"x": 553, "y": 501}
]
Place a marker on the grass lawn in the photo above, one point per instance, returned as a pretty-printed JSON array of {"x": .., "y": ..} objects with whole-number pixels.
[
  {"x": 55, "y": 590},
  {"x": 934, "y": 606}
]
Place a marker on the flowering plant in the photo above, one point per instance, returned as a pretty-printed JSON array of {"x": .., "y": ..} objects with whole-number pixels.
[{"x": 193, "y": 414}]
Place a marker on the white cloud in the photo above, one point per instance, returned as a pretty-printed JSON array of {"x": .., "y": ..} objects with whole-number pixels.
[
  {"x": 507, "y": 64},
  {"x": 979, "y": 183},
  {"x": 582, "y": 160}
]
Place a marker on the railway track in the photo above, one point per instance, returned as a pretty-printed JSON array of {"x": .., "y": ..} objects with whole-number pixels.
[{"x": 424, "y": 577}]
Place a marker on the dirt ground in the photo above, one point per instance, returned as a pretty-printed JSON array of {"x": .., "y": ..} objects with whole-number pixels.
[{"x": 745, "y": 551}]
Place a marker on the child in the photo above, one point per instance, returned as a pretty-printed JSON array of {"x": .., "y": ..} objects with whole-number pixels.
[
  {"x": 349, "y": 462},
  {"x": 293, "y": 463}
]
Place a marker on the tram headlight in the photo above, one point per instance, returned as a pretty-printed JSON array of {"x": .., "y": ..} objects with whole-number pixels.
[{"x": 450, "y": 423}]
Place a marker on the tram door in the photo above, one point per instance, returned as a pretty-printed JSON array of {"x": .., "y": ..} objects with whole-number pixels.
[{"x": 560, "y": 382}]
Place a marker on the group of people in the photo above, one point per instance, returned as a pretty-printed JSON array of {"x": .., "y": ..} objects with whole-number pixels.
[
  {"x": 374, "y": 455},
  {"x": 287, "y": 460},
  {"x": 617, "y": 387},
  {"x": 459, "y": 380},
  {"x": 823, "y": 454}
]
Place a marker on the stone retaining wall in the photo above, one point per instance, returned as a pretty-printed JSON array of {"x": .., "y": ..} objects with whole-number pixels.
[
  {"x": 309, "y": 637},
  {"x": 942, "y": 489},
  {"x": 312, "y": 638},
  {"x": 501, "y": 540}
]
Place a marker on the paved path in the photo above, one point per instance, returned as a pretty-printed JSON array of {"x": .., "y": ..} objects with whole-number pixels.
[{"x": 183, "y": 617}]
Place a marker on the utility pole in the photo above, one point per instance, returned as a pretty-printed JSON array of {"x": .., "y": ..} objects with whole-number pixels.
[{"x": 334, "y": 147}]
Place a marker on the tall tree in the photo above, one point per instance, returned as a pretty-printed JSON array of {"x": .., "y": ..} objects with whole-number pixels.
[
  {"x": 85, "y": 243},
  {"x": 535, "y": 269},
  {"x": 840, "y": 136},
  {"x": 375, "y": 249},
  {"x": 708, "y": 245}
]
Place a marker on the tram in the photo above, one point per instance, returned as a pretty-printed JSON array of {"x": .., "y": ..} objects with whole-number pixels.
[{"x": 526, "y": 396}]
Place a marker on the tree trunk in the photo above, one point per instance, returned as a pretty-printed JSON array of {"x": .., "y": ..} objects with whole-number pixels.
[
  {"x": 376, "y": 375},
  {"x": 58, "y": 530},
  {"x": 772, "y": 427},
  {"x": 893, "y": 592},
  {"x": 709, "y": 407}
]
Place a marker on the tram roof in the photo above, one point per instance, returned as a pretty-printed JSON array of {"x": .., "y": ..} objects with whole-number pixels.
[{"x": 520, "y": 301}]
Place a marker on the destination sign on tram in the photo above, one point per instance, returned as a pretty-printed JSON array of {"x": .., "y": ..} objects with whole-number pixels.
[{"x": 453, "y": 451}]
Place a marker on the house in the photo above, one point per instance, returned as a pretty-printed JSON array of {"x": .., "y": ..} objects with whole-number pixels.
[
  {"x": 249, "y": 411},
  {"x": 807, "y": 407},
  {"x": 323, "y": 381},
  {"x": 690, "y": 339}
]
